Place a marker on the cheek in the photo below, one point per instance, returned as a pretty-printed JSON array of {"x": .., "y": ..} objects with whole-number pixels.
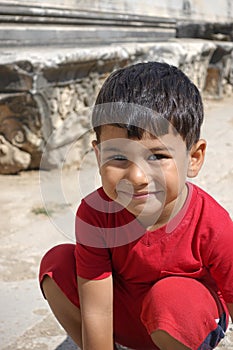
[
  {"x": 172, "y": 178},
  {"x": 182, "y": 171},
  {"x": 110, "y": 177},
  {"x": 175, "y": 178},
  {"x": 177, "y": 170},
  {"x": 169, "y": 172}
]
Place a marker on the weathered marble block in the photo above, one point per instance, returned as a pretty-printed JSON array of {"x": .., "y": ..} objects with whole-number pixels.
[{"x": 46, "y": 94}]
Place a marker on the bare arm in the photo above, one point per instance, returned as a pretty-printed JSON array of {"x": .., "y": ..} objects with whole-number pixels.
[{"x": 96, "y": 302}]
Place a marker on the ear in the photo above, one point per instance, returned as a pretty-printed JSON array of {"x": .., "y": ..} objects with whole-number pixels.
[
  {"x": 97, "y": 151},
  {"x": 196, "y": 158}
]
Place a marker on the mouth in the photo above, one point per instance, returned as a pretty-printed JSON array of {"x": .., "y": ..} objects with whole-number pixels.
[{"x": 140, "y": 195}]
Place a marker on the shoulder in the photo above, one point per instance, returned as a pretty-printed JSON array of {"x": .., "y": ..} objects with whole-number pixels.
[
  {"x": 96, "y": 200},
  {"x": 207, "y": 202},
  {"x": 98, "y": 205},
  {"x": 208, "y": 211}
]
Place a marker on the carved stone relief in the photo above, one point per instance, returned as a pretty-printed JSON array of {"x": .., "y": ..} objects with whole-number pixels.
[
  {"x": 20, "y": 130},
  {"x": 49, "y": 116}
]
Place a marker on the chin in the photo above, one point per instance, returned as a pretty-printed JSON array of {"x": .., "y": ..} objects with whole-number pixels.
[{"x": 147, "y": 215}]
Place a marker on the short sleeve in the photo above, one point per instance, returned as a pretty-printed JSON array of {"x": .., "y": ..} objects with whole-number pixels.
[
  {"x": 92, "y": 256},
  {"x": 92, "y": 263},
  {"x": 220, "y": 259}
]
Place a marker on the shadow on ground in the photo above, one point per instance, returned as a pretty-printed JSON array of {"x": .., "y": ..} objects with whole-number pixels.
[{"x": 68, "y": 344}]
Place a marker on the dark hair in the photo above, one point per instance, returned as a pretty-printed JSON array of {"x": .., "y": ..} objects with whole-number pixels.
[{"x": 150, "y": 96}]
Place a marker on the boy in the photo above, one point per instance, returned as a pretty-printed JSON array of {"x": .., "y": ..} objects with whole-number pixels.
[{"x": 153, "y": 263}]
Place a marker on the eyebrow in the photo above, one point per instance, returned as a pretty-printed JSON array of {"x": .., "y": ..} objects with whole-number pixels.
[
  {"x": 154, "y": 149},
  {"x": 161, "y": 149},
  {"x": 111, "y": 149}
]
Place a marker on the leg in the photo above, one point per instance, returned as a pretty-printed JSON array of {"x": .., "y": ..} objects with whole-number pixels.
[
  {"x": 58, "y": 280},
  {"x": 165, "y": 342},
  {"x": 67, "y": 314},
  {"x": 180, "y": 313}
]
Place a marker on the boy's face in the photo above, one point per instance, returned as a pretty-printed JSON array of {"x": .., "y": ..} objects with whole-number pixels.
[{"x": 145, "y": 176}]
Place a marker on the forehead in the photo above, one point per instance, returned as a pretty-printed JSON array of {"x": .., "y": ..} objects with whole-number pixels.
[
  {"x": 113, "y": 135},
  {"x": 109, "y": 132}
]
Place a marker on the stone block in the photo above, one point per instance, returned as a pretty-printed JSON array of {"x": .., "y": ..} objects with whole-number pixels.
[
  {"x": 16, "y": 76},
  {"x": 46, "y": 102}
]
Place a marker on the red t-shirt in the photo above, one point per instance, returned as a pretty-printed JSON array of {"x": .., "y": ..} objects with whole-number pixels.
[{"x": 196, "y": 243}]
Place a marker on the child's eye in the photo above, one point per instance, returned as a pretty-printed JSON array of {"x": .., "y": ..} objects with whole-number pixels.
[
  {"x": 118, "y": 157},
  {"x": 157, "y": 157}
]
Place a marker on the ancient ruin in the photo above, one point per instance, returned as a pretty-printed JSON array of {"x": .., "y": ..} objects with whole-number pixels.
[{"x": 54, "y": 59}]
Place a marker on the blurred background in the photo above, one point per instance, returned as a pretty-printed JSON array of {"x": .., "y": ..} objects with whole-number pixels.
[{"x": 54, "y": 56}]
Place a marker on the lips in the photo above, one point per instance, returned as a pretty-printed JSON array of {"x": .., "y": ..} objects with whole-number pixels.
[
  {"x": 142, "y": 195},
  {"x": 139, "y": 195}
]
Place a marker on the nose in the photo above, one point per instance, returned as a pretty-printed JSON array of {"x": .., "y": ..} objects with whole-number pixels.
[{"x": 136, "y": 175}]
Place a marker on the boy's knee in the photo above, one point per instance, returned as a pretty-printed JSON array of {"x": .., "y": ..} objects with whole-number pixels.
[{"x": 167, "y": 310}]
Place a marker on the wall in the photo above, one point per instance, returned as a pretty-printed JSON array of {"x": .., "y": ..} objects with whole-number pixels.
[
  {"x": 53, "y": 61},
  {"x": 218, "y": 10},
  {"x": 47, "y": 94}
]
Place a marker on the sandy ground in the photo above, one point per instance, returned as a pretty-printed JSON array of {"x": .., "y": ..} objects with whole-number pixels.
[{"x": 26, "y": 232}]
